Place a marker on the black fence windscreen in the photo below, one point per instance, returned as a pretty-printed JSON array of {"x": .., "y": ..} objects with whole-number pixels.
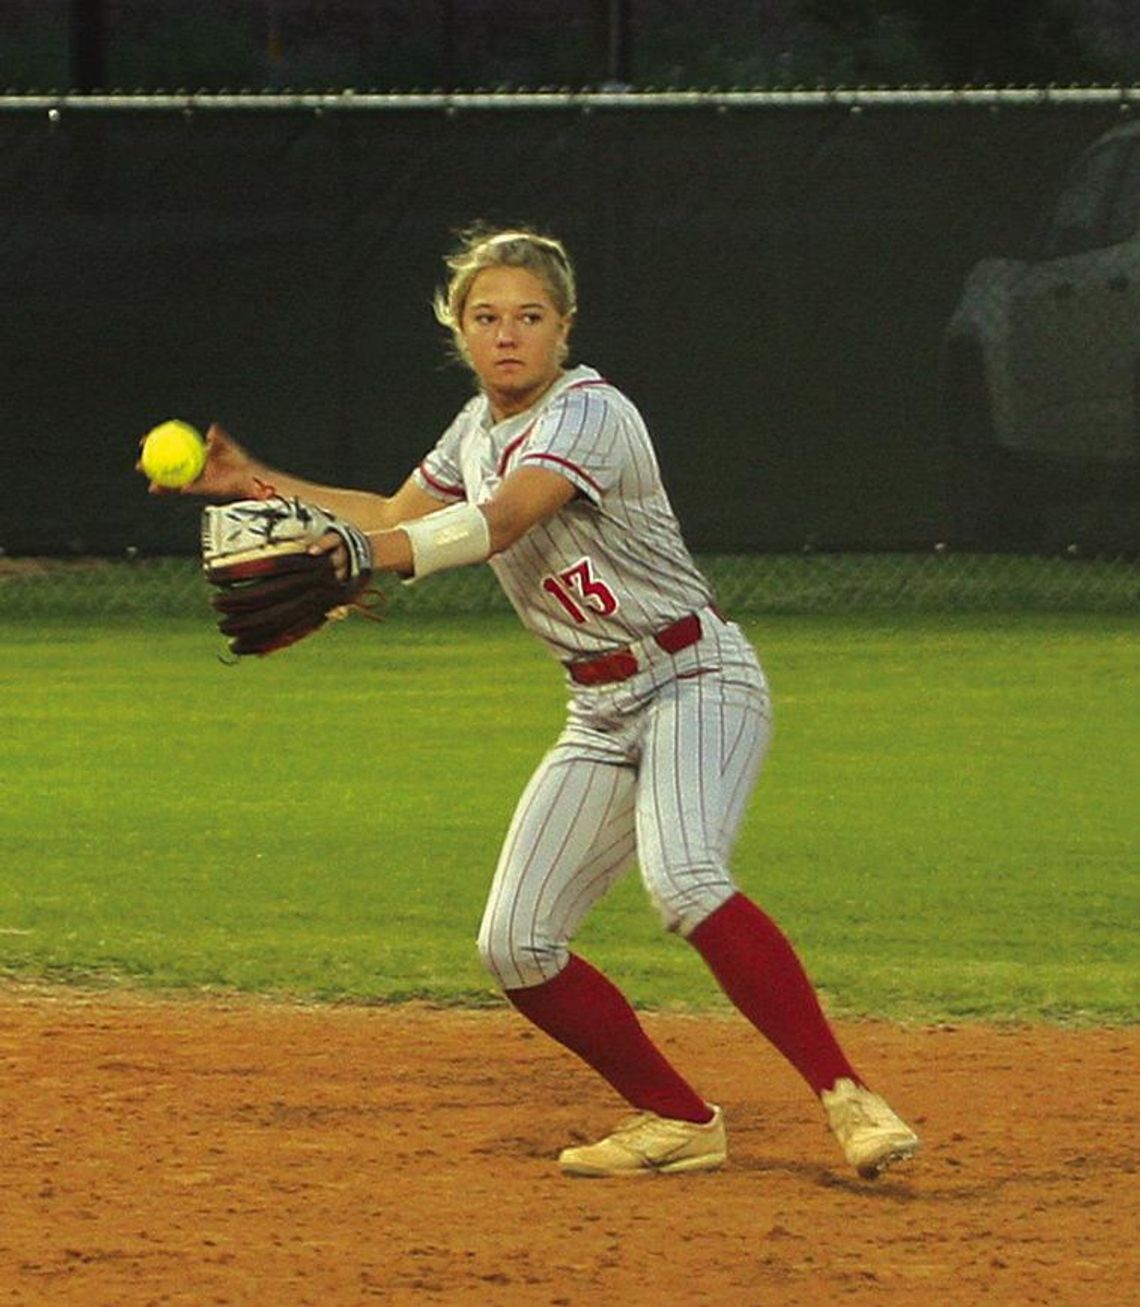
[{"x": 855, "y": 330}]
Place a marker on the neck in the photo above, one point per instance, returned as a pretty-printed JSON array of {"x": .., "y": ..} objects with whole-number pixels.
[{"x": 508, "y": 404}]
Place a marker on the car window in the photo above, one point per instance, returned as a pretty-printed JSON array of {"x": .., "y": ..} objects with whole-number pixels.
[
  {"x": 1123, "y": 219},
  {"x": 1079, "y": 220}
]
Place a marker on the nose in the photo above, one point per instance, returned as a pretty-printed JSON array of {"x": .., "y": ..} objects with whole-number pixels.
[{"x": 505, "y": 335}]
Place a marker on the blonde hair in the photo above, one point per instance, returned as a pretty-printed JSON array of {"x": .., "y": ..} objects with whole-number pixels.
[{"x": 515, "y": 247}]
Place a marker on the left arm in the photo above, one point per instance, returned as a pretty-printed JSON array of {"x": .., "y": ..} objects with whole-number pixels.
[{"x": 528, "y": 496}]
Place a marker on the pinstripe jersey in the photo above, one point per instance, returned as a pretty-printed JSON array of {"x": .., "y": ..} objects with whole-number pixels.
[{"x": 610, "y": 567}]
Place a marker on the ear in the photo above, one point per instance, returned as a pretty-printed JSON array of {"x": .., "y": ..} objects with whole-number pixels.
[{"x": 564, "y": 342}]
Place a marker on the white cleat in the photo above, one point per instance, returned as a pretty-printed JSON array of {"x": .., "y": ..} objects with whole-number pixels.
[
  {"x": 871, "y": 1135},
  {"x": 646, "y": 1144}
]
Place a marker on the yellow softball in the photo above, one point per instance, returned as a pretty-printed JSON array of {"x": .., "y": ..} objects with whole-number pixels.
[{"x": 173, "y": 454}]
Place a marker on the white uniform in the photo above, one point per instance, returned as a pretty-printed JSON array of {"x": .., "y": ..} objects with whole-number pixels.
[{"x": 665, "y": 740}]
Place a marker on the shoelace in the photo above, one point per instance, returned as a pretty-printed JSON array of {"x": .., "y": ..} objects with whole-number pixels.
[
  {"x": 633, "y": 1127},
  {"x": 857, "y": 1112}
]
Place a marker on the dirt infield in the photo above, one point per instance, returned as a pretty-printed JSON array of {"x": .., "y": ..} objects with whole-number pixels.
[{"x": 240, "y": 1152}]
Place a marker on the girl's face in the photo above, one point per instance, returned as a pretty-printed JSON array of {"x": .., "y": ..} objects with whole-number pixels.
[{"x": 514, "y": 336}]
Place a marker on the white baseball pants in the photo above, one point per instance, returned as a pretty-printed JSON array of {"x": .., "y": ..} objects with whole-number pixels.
[{"x": 658, "y": 770}]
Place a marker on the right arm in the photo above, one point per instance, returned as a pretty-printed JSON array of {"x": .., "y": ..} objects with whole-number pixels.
[{"x": 232, "y": 472}]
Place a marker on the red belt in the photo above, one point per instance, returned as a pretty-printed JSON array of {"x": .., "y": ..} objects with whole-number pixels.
[{"x": 621, "y": 664}]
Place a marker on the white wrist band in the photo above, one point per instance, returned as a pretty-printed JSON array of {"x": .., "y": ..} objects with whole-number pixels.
[{"x": 451, "y": 537}]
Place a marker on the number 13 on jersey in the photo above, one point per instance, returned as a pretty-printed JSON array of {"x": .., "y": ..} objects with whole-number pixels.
[{"x": 580, "y": 592}]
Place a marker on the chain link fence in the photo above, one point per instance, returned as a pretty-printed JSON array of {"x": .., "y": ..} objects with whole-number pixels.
[{"x": 935, "y": 581}]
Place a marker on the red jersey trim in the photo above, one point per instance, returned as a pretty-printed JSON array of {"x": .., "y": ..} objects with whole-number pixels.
[
  {"x": 510, "y": 449},
  {"x": 564, "y": 462},
  {"x": 525, "y": 435},
  {"x": 439, "y": 485}
]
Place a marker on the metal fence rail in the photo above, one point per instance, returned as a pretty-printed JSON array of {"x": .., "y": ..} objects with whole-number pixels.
[
  {"x": 938, "y": 581},
  {"x": 854, "y": 98}
]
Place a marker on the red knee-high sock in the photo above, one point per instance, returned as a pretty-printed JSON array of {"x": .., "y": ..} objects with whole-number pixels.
[
  {"x": 759, "y": 971},
  {"x": 588, "y": 1014}
]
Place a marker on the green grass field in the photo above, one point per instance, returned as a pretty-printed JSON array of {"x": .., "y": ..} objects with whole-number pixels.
[{"x": 947, "y": 825}]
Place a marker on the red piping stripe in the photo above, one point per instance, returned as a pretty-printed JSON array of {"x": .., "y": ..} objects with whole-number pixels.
[
  {"x": 518, "y": 440},
  {"x": 563, "y": 462},
  {"x": 510, "y": 449},
  {"x": 439, "y": 485}
]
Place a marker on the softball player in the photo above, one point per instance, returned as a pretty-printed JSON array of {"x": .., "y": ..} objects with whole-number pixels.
[{"x": 550, "y": 475}]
